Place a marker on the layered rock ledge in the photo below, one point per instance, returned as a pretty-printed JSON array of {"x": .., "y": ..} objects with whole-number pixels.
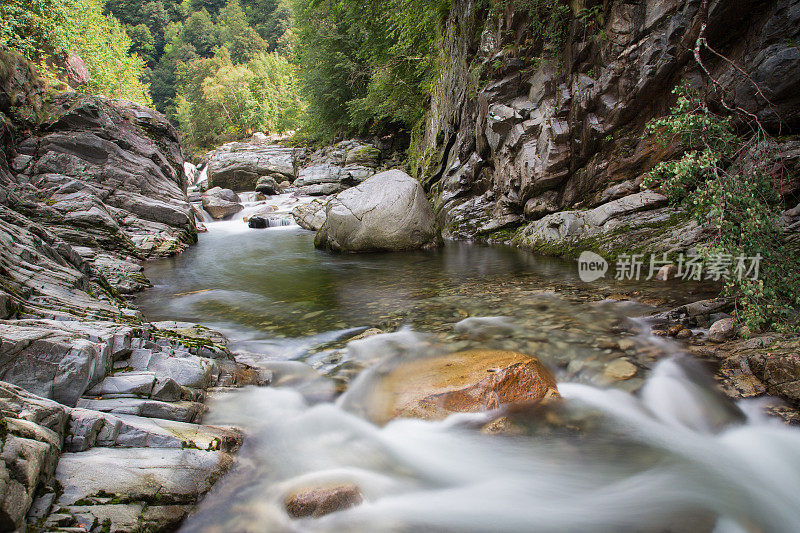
[{"x": 101, "y": 411}]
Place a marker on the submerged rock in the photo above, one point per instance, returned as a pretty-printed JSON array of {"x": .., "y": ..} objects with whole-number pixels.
[
  {"x": 387, "y": 212},
  {"x": 469, "y": 381},
  {"x": 620, "y": 370},
  {"x": 221, "y": 203},
  {"x": 320, "y": 501}
]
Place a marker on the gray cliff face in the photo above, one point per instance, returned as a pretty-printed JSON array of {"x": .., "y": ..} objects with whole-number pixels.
[
  {"x": 518, "y": 149},
  {"x": 97, "y": 406},
  {"x": 107, "y": 178},
  {"x": 104, "y": 177}
]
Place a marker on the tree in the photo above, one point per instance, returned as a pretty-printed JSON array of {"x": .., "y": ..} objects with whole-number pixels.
[
  {"x": 199, "y": 31},
  {"x": 104, "y": 46},
  {"x": 219, "y": 99},
  {"x": 270, "y": 18},
  {"x": 368, "y": 65},
  {"x": 235, "y": 32},
  {"x": 40, "y": 29},
  {"x": 142, "y": 43},
  {"x": 31, "y": 26}
]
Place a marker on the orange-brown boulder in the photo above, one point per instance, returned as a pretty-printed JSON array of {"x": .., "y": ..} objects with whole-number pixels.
[
  {"x": 320, "y": 501},
  {"x": 468, "y": 381}
]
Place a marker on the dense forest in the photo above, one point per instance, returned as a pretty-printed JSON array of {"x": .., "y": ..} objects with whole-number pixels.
[{"x": 225, "y": 68}]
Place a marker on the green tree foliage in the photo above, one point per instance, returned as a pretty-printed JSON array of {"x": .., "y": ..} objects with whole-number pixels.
[
  {"x": 270, "y": 18},
  {"x": 142, "y": 43},
  {"x": 242, "y": 40},
  {"x": 366, "y": 66},
  {"x": 219, "y": 99},
  {"x": 197, "y": 30},
  {"x": 40, "y": 29},
  {"x": 742, "y": 205},
  {"x": 30, "y": 26},
  {"x": 104, "y": 45}
]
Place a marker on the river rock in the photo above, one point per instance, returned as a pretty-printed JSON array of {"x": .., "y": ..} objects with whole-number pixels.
[
  {"x": 469, "y": 381},
  {"x": 183, "y": 411},
  {"x": 221, "y": 203},
  {"x": 127, "y": 384},
  {"x": 335, "y": 168},
  {"x": 239, "y": 166},
  {"x": 267, "y": 185},
  {"x": 620, "y": 370},
  {"x": 58, "y": 360},
  {"x": 320, "y": 501},
  {"x": 365, "y": 154},
  {"x": 311, "y": 215},
  {"x": 256, "y": 222},
  {"x": 387, "y": 212},
  {"x": 722, "y": 330},
  {"x": 484, "y": 326},
  {"x": 114, "y": 484},
  {"x": 89, "y": 429},
  {"x": 33, "y": 428}
]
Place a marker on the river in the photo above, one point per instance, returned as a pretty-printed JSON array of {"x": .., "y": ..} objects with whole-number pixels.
[{"x": 661, "y": 451}]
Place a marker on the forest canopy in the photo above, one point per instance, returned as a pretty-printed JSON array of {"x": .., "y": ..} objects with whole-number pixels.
[{"x": 222, "y": 69}]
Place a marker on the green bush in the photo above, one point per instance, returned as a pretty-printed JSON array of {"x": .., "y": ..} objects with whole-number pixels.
[
  {"x": 30, "y": 26},
  {"x": 742, "y": 206},
  {"x": 40, "y": 29}
]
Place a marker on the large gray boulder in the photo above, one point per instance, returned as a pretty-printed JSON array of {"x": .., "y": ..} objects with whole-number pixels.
[
  {"x": 239, "y": 166},
  {"x": 387, "y": 212},
  {"x": 221, "y": 203}
]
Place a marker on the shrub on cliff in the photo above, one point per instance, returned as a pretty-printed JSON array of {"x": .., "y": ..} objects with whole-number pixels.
[
  {"x": 39, "y": 29},
  {"x": 743, "y": 206}
]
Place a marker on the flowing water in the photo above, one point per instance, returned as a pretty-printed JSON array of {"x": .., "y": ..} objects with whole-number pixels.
[{"x": 661, "y": 451}]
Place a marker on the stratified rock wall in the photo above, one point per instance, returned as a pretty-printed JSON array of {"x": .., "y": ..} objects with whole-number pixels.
[
  {"x": 516, "y": 148},
  {"x": 104, "y": 177},
  {"x": 99, "y": 411}
]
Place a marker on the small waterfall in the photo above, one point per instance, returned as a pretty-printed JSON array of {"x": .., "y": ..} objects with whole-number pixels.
[
  {"x": 258, "y": 222},
  {"x": 274, "y": 212}
]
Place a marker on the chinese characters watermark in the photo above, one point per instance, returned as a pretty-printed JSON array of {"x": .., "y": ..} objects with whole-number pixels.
[{"x": 715, "y": 267}]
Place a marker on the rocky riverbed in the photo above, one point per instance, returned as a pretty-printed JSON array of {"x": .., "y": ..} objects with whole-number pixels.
[{"x": 105, "y": 420}]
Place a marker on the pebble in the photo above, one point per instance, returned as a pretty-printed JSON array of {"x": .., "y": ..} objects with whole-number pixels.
[
  {"x": 620, "y": 370},
  {"x": 626, "y": 344}
]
